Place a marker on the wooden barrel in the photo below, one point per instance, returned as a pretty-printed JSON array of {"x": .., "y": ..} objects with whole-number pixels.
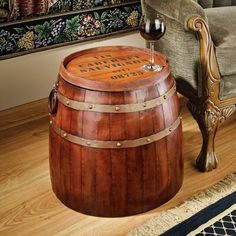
[{"x": 115, "y": 133}]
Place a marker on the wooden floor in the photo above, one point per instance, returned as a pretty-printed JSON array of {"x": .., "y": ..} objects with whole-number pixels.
[{"x": 29, "y": 207}]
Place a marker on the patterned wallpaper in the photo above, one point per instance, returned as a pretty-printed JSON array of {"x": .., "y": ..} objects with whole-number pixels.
[{"x": 34, "y": 25}]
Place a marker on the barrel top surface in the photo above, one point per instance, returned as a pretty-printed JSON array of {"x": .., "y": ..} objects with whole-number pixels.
[{"x": 113, "y": 68}]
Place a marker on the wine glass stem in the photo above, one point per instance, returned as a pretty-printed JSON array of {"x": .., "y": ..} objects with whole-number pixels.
[{"x": 152, "y": 53}]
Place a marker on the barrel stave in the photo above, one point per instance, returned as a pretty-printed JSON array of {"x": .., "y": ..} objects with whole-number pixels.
[
  {"x": 161, "y": 153},
  {"x": 150, "y": 158},
  {"x": 118, "y": 158},
  {"x": 170, "y": 112},
  {"x": 133, "y": 157},
  {"x": 101, "y": 201}
]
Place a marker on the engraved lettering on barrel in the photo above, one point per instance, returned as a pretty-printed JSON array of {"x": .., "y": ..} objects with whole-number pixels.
[
  {"x": 117, "y": 77},
  {"x": 103, "y": 56},
  {"x": 98, "y": 63},
  {"x": 121, "y": 70},
  {"x": 83, "y": 71},
  {"x": 127, "y": 75},
  {"x": 108, "y": 62}
]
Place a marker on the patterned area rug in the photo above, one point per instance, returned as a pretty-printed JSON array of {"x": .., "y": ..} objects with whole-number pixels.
[{"x": 211, "y": 212}]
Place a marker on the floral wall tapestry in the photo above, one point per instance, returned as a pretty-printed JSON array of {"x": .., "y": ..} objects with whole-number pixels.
[{"x": 33, "y": 25}]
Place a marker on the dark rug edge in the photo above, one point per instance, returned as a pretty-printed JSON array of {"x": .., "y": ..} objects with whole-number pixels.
[{"x": 202, "y": 216}]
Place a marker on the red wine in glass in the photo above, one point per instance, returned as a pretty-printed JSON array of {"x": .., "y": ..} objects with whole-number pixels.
[{"x": 152, "y": 29}]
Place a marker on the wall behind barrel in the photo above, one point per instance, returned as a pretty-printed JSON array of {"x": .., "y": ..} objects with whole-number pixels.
[{"x": 28, "y": 78}]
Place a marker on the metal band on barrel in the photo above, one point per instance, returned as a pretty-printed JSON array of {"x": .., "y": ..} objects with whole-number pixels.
[
  {"x": 116, "y": 144},
  {"x": 123, "y": 108}
]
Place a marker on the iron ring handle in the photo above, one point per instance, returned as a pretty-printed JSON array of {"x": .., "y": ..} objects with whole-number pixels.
[{"x": 53, "y": 101}]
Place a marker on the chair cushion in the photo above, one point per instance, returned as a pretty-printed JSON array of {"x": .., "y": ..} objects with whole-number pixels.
[{"x": 222, "y": 25}]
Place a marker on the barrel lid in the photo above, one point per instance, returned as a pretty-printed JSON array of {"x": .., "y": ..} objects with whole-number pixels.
[{"x": 114, "y": 68}]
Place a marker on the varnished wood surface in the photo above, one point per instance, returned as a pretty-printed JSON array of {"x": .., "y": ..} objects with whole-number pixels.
[
  {"x": 114, "y": 68},
  {"x": 28, "y": 206},
  {"x": 23, "y": 114},
  {"x": 120, "y": 181},
  {"x": 209, "y": 110}
]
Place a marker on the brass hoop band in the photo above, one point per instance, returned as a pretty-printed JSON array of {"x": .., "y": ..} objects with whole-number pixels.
[
  {"x": 116, "y": 144},
  {"x": 124, "y": 108}
]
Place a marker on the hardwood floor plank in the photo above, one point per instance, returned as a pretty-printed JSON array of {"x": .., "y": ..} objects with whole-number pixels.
[
  {"x": 29, "y": 207},
  {"x": 23, "y": 114}
]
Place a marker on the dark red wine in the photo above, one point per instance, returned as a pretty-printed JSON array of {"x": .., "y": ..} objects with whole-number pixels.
[{"x": 152, "y": 31}]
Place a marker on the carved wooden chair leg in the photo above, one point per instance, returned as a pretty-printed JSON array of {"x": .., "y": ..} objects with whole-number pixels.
[
  {"x": 208, "y": 123},
  {"x": 209, "y": 118}
]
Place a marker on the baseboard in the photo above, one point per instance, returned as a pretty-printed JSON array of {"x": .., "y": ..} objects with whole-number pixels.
[{"x": 23, "y": 114}]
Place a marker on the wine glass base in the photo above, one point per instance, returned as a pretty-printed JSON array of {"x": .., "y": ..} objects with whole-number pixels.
[{"x": 152, "y": 67}]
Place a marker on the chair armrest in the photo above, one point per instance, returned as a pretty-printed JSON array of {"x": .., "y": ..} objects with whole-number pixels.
[{"x": 210, "y": 78}]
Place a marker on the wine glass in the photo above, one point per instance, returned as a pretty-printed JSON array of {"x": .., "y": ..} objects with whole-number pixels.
[{"x": 152, "y": 28}]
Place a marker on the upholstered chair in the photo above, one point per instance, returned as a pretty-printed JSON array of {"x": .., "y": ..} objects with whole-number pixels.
[{"x": 200, "y": 43}]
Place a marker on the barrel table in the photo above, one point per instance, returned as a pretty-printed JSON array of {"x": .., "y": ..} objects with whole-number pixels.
[{"x": 115, "y": 133}]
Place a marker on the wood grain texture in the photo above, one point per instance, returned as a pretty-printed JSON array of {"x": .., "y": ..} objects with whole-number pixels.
[
  {"x": 23, "y": 114},
  {"x": 115, "y": 68},
  {"x": 209, "y": 110},
  {"x": 29, "y": 207},
  {"x": 123, "y": 181}
]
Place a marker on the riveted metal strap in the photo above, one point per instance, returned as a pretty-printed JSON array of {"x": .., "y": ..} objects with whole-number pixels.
[
  {"x": 116, "y": 144},
  {"x": 123, "y": 108}
]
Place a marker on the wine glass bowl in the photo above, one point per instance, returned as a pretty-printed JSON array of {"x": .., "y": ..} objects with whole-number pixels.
[{"x": 152, "y": 28}]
